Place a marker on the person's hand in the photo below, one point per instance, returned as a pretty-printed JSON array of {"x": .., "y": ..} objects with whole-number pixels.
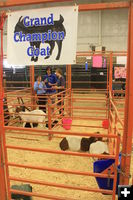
[
  {"x": 46, "y": 80},
  {"x": 54, "y": 87},
  {"x": 38, "y": 82},
  {"x": 50, "y": 84},
  {"x": 40, "y": 88},
  {"x": 43, "y": 82}
]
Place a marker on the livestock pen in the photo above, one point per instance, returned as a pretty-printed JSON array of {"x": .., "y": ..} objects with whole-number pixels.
[
  {"x": 69, "y": 167},
  {"x": 65, "y": 167},
  {"x": 27, "y": 154}
]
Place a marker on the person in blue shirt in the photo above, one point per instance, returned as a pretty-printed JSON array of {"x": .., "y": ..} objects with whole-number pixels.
[
  {"x": 50, "y": 80},
  {"x": 40, "y": 89}
]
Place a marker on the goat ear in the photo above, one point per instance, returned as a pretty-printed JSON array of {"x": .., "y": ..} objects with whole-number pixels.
[
  {"x": 22, "y": 100},
  {"x": 61, "y": 19},
  {"x": 18, "y": 100},
  {"x": 20, "y": 19}
]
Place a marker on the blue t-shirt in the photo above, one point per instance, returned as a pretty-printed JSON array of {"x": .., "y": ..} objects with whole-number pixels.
[
  {"x": 39, "y": 88},
  {"x": 51, "y": 79}
]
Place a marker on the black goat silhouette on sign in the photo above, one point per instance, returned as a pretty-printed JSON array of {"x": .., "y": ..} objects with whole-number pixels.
[{"x": 58, "y": 27}]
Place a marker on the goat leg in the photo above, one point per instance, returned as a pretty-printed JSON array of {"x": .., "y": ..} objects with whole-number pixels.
[
  {"x": 31, "y": 125},
  {"x": 52, "y": 45},
  {"x": 36, "y": 59},
  {"x": 32, "y": 58},
  {"x": 24, "y": 123},
  {"x": 59, "y": 43}
]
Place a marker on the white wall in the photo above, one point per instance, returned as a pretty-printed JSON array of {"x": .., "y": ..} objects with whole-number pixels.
[{"x": 114, "y": 29}]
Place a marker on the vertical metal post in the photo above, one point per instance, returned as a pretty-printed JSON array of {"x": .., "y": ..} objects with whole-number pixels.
[
  {"x": 116, "y": 164},
  {"x": 49, "y": 117},
  {"x": 62, "y": 105},
  {"x": 107, "y": 97},
  {"x": 110, "y": 72},
  {"x": 110, "y": 130},
  {"x": 4, "y": 84},
  {"x": 69, "y": 87},
  {"x": 128, "y": 118},
  {"x": 32, "y": 76},
  {"x": 3, "y": 156},
  {"x": 2, "y": 171},
  {"x": 110, "y": 92},
  {"x": 66, "y": 76},
  {"x": 107, "y": 63},
  {"x": 32, "y": 86},
  {"x": 72, "y": 103},
  {"x": 109, "y": 118},
  {"x": 70, "y": 76},
  {"x": 115, "y": 132}
]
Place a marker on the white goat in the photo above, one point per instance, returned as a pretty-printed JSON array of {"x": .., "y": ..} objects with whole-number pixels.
[
  {"x": 99, "y": 147},
  {"x": 34, "y": 116}
]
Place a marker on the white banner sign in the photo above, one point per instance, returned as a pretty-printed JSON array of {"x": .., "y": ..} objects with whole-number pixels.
[{"x": 43, "y": 36}]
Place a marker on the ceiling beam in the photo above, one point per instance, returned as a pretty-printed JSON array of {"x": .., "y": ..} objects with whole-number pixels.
[
  {"x": 82, "y": 7},
  {"x": 12, "y": 3},
  {"x": 103, "y": 6}
]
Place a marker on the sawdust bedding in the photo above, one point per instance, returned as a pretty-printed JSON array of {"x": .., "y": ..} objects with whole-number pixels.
[{"x": 84, "y": 164}]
